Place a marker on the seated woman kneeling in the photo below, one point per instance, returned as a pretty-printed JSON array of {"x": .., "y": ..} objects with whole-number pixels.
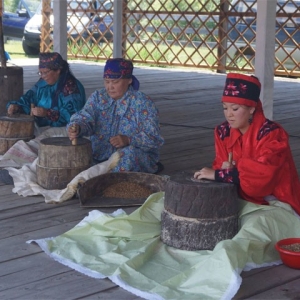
[
  {"x": 52, "y": 101},
  {"x": 120, "y": 118},
  {"x": 55, "y": 96}
]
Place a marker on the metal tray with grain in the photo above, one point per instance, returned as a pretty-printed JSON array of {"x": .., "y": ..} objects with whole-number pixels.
[{"x": 120, "y": 189}]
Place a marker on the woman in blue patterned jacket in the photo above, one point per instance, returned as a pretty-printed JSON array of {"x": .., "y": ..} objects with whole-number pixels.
[
  {"x": 56, "y": 95},
  {"x": 120, "y": 118}
]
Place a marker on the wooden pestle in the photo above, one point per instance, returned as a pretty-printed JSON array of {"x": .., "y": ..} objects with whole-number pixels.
[
  {"x": 31, "y": 107},
  {"x": 74, "y": 142},
  {"x": 230, "y": 157}
]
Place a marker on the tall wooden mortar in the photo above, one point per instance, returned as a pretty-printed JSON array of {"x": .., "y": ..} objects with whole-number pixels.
[
  {"x": 11, "y": 78},
  {"x": 198, "y": 214}
]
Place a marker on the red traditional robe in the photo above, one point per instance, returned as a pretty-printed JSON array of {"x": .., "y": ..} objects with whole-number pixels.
[{"x": 263, "y": 161}]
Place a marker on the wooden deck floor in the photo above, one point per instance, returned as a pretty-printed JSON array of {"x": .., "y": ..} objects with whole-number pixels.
[{"x": 189, "y": 104}]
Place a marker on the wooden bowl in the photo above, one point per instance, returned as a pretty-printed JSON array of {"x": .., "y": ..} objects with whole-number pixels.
[{"x": 289, "y": 257}]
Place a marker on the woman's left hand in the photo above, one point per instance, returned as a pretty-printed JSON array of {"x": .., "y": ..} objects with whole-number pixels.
[
  {"x": 228, "y": 165},
  {"x": 207, "y": 173},
  {"x": 119, "y": 141},
  {"x": 39, "y": 111}
]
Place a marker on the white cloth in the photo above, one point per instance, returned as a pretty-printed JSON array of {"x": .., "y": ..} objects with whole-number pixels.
[
  {"x": 25, "y": 181},
  {"x": 21, "y": 159},
  {"x": 22, "y": 153}
]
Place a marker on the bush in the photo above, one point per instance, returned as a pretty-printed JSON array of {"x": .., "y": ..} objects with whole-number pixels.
[{"x": 11, "y": 5}]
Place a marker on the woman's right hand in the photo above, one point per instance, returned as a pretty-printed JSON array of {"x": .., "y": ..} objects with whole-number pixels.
[
  {"x": 12, "y": 109},
  {"x": 73, "y": 131}
]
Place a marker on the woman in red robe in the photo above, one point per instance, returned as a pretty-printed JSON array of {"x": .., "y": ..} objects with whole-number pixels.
[{"x": 252, "y": 151}]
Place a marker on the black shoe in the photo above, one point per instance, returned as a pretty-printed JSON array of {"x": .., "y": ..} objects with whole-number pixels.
[{"x": 5, "y": 177}]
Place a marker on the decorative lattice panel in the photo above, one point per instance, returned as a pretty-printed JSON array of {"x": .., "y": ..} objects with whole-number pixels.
[{"x": 215, "y": 34}]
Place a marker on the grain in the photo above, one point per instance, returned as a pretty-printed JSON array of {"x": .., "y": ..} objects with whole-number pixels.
[
  {"x": 292, "y": 247},
  {"x": 127, "y": 190}
]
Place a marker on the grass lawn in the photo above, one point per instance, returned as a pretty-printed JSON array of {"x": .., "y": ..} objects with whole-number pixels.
[{"x": 14, "y": 48}]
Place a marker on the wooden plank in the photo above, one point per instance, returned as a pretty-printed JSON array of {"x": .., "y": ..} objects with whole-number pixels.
[
  {"x": 288, "y": 291},
  {"x": 39, "y": 276},
  {"x": 265, "y": 280},
  {"x": 190, "y": 108}
]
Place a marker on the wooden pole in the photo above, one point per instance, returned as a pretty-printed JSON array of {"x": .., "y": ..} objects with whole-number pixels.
[
  {"x": 265, "y": 53},
  {"x": 31, "y": 107},
  {"x": 222, "y": 33},
  {"x": 45, "y": 45},
  {"x": 74, "y": 128},
  {"x": 2, "y": 55},
  {"x": 230, "y": 157}
]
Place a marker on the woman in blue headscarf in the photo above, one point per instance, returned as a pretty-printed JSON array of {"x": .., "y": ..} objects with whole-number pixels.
[
  {"x": 55, "y": 97},
  {"x": 120, "y": 118}
]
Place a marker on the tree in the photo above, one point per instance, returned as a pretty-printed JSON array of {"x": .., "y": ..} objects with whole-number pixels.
[{"x": 11, "y": 5}]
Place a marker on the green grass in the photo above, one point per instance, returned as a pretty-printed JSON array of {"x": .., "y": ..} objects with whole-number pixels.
[
  {"x": 151, "y": 53},
  {"x": 14, "y": 48}
]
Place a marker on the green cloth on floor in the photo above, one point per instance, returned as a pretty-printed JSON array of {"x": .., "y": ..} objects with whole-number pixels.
[{"x": 127, "y": 249}]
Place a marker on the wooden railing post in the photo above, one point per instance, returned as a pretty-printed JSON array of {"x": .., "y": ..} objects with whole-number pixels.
[
  {"x": 2, "y": 55},
  {"x": 45, "y": 44},
  {"x": 222, "y": 34}
]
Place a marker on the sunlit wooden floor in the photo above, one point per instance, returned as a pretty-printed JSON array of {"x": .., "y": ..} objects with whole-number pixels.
[{"x": 189, "y": 105}]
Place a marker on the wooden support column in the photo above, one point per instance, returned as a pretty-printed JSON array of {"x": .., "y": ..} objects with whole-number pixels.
[
  {"x": 60, "y": 27},
  {"x": 118, "y": 32},
  {"x": 265, "y": 52},
  {"x": 2, "y": 53},
  {"x": 11, "y": 78},
  {"x": 223, "y": 29}
]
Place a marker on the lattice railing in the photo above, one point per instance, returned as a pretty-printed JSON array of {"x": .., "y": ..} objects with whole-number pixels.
[{"x": 215, "y": 34}]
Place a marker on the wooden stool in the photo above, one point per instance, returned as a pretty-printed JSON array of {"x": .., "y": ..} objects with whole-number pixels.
[{"x": 198, "y": 215}]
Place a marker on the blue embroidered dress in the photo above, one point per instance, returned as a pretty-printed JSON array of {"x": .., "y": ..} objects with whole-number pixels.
[
  {"x": 134, "y": 115},
  {"x": 70, "y": 100}
]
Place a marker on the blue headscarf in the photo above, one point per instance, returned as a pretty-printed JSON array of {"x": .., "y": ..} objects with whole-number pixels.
[
  {"x": 51, "y": 60},
  {"x": 116, "y": 68},
  {"x": 54, "y": 61}
]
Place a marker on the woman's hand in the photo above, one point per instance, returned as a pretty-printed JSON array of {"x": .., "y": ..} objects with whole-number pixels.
[
  {"x": 73, "y": 131},
  {"x": 12, "y": 109},
  {"x": 207, "y": 173},
  {"x": 39, "y": 111},
  {"x": 228, "y": 165},
  {"x": 119, "y": 141}
]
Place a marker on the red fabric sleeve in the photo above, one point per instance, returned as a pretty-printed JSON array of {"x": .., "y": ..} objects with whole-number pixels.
[
  {"x": 259, "y": 175},
  {"x": 221, "y": 151}
]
